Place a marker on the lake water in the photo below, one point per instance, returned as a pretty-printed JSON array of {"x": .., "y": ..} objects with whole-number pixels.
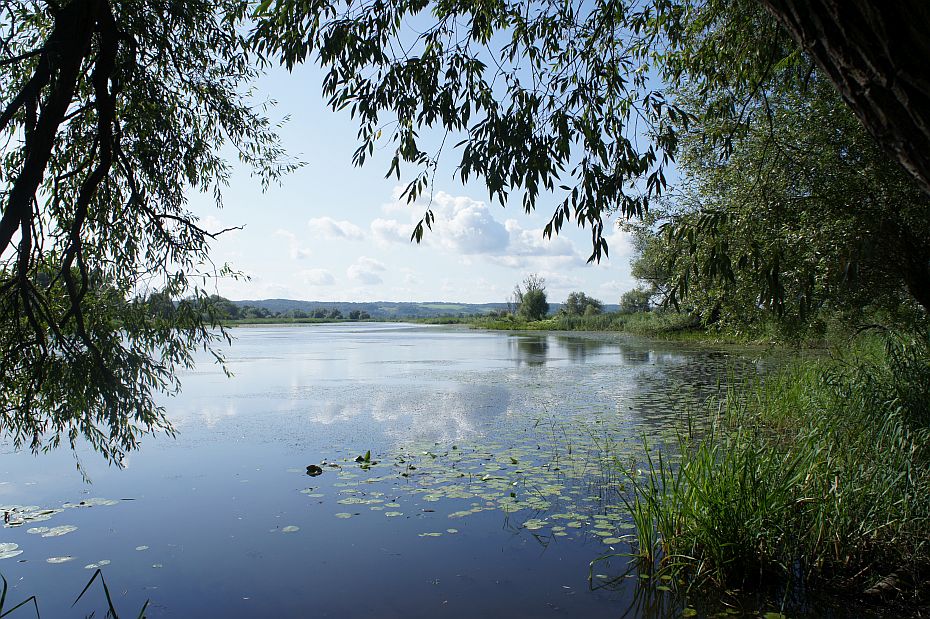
[{"x": 493, "y": 479}]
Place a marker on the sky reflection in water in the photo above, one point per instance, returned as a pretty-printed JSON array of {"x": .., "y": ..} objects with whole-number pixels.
[{"x": 495, "y": 484}]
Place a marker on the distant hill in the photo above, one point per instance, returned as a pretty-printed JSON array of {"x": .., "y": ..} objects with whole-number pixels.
[{"x": 389, "y": 309}]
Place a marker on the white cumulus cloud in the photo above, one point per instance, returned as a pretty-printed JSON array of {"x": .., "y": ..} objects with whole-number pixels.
[
  {"x": 332, "y": 229},
  {"x": 391, "y": 231},
  {"x": 366, "y": 271}
]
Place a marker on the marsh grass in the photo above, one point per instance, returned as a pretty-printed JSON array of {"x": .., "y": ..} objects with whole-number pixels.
[{"x": 816, "y": 477}]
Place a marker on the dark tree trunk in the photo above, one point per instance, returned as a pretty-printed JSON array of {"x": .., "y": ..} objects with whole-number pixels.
[{"x": 877, "y": 54}]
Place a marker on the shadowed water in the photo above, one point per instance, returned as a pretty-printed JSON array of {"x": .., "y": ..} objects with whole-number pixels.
[{"x": 493, "y": 480}]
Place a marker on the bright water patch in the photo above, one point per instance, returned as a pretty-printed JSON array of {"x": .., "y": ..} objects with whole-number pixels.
[{"x": 493, "y": 478}]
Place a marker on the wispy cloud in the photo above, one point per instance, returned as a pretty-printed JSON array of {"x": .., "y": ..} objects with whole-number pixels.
[
  {"x": 295, "y": 250},
  {"x": 332, "y": 229},
  {"x": 318, "y": 277}
]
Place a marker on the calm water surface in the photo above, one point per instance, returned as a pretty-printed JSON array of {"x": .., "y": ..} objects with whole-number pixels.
[{"x": 496, "y": 481}]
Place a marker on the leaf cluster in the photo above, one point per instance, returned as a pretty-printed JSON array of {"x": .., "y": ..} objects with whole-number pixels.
[
  {"x": 110, "y": 114},
  {"x": 540, "y": 98}
]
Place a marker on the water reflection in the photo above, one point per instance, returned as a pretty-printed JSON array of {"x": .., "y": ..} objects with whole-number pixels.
[
  {"x": 501, "y": 438},
  {"x": 636, "y": 356},
  {"x": 529, "y": 349}
]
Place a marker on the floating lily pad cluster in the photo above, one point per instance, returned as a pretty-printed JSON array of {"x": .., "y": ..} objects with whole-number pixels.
[
  {"x": 20, "y": 515},
  {"x": 553, "y": 478}
]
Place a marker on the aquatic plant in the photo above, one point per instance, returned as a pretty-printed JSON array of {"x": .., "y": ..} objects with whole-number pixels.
[
  {"x": 817, "y": 475},
  {"x": 98, "y": 575}
]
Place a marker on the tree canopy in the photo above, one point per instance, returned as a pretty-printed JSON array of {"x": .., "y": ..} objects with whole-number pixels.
[
  {"x": 585, "y": 105},
  {"x": 580, "y": 304},
  {"x": 579, "y": 99},
  {"x": 530, "y": 299},
  {"x": 806, "y": 215},
  {"x": 110, "y": 112}
]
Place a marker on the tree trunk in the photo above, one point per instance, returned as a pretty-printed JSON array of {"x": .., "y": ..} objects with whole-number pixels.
[{"x": 877, "y": 54}]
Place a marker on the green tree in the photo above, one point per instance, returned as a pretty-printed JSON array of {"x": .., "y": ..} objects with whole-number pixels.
[
  {"x": 807, "y": 215},
  {"x": 580, "y": 304},
  {"x": 532, "y": 298},
  {"x": 110, "y": 112},
  {"x": 568, "y": 97},
  {"x": 636, "y": 300}
]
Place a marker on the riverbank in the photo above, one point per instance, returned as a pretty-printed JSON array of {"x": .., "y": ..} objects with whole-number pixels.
[
  {"x": 813, "y": 481},
  {"x": 660, "y": 325}
]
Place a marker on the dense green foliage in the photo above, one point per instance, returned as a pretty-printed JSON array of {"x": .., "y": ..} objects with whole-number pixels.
[
  {"x": 109, "y": 114},
  {"x": 636, "y": 300},
  {"x": 807, "y": 218},
  {"x": 580, "y": 304},
  {"x": 820, "y": 473},
  {"x": 529, "y": 300}
]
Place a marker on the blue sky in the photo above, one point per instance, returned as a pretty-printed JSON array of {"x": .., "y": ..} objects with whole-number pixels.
[{"x": 334, "y": 232}]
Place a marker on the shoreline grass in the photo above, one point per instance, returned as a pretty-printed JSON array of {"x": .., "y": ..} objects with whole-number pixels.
[{"x": 816, "y": 478}]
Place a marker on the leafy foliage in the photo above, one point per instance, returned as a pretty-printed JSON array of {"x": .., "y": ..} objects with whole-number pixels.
[
  {"x": 110, "y": 113},
  {"x": 806, "y": 217},
  {"x": 580, "y": 304},
  {"x": 530, "y": 300},
  {"x": 636, "y": 300},
  {"x": 538, "y": 97}
]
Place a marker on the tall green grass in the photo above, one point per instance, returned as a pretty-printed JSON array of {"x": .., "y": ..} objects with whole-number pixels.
[{"x": 817, "y": 476}]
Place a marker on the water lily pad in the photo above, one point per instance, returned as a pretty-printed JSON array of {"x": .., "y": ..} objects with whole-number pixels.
[
  {"x": 8, "y": 550},
  {"x": 343, "y": 515},
  {"x": 64, "y": 559},
  {"x": 393, "y": 514},
  {"x": 98, "y": 564},
  {"x": 534, "y": 524},
  {"x": 290, "y": 529},
  {"x": 58, "y": 531},
  {"x": 430, "y": 534},
  {"x": 141, "y": 548}
]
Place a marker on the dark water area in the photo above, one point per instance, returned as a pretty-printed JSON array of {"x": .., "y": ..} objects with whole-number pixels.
[{"x": 494, "y": 479}]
